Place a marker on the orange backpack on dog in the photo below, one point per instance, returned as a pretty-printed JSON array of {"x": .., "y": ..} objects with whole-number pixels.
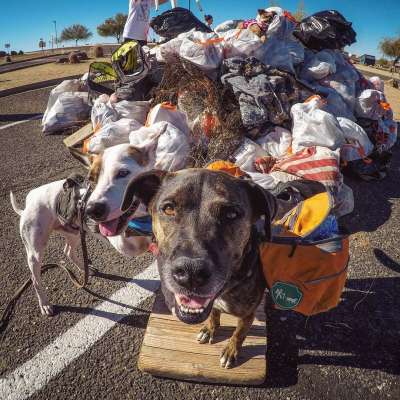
[
  {"x": 305, "y": 275},
  {"x": 302, "y": 274}
]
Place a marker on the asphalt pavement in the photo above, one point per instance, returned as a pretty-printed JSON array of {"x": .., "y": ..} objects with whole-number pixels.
[{"x": 352, "y": 352}]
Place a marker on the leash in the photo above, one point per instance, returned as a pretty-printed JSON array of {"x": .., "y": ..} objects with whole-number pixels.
[{"x": 81, "y": 208}]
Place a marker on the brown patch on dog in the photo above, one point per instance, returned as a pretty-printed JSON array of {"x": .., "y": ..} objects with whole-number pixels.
[
  {"x": 138, "y": 155},
  {"x": 95, "y": 168},
  {"x": 158, "y": 230}
]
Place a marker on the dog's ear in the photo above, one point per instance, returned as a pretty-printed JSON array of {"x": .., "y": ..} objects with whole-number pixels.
[
  {"x": 261, "y": 11},
  {"x": 72, "y": 180},
  {"x": 144, "y": 187},
  {"x": 139, "y": 155},
  {"x": 263, "y": 203}
]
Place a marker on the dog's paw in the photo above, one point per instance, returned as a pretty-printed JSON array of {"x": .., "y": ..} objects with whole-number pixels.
[
  {"x": 47, "y": 310},
  {"x": 229, "y": 356},
  {"x": 205, "y": 335}
]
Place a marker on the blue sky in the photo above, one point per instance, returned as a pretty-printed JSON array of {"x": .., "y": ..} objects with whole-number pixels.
[{"x": 23, "y": 23}]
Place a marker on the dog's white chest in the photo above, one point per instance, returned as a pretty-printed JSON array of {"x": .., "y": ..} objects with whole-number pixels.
[{"x": 221, "y": 305}]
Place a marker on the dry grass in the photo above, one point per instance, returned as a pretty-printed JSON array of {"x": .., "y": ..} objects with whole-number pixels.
[
  {"x": 41, "y": 73},
  {"x": 378, "y": 71},
  {"x": 393, "y": 97}
]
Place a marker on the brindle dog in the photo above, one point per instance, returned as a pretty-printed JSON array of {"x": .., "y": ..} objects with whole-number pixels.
[{"x": 203, "y": 222}]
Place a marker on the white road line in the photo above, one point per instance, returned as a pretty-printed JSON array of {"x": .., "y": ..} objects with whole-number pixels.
[
  {"x": 21, "y": 122},
  {"x": 45, "y": 365}
]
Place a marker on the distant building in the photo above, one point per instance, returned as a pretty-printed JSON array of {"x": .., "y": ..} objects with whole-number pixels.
[{"x": 367, "y": 59}]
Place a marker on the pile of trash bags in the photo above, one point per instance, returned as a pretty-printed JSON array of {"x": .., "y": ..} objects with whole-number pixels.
[{"x": 283, "y": 107}]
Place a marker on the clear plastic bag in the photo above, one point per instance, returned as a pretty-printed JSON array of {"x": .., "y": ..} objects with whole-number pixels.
[
  {"x": 69, "y": 109},
  {"x": 69, "y": 85},
  {"x": 103, "y": 112}
]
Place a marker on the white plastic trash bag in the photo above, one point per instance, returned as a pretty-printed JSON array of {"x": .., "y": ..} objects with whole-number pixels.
[
  {"x": 246, "y": 154},
  {"x": 357, "y": 144},
  {"x": 378, "y": 83},
  {"x": 277, "y": 142},
  {"x": 69, "y": 85},
  {"x": 166, "y": 112},
  {"x": 226, "y": 26},
  {"x": 147, "y": 136},
  {"x": 170, "y": 50},
  {"x": 136, "y": 110},
  {"x": 112, "y": 134},
  {"x": 203, "y": 50},
  {"x": 172, "y": 150},
  {"x": 314, "y": 127},
  {"x": 368, "y": 104},
  {"x": 69, "y": 109},
  {"x": 241, "y": 43},
  {"x": 318, "y": 66},
  {"x": 103, "y": 112}
]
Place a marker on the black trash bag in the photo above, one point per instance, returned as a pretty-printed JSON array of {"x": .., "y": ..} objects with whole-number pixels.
[
  {"x": 325, "y": 30},
  {"x": 178, "y": 20}
]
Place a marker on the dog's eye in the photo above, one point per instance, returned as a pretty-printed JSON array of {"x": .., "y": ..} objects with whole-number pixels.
[
  {"x": 169, "y": 209},
  {"x": 122, "y": 173}
]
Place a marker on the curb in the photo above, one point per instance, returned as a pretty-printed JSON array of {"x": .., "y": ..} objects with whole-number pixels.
[
  {"x": 34, "y": 86},
  {"x": 17, "y": 67},
  {"x": 31, "y": 59}
]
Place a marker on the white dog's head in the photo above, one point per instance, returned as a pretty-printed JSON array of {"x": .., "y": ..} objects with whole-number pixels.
[{"x": 110, "y": 174}]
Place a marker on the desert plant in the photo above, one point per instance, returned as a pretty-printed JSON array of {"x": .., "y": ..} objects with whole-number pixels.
[
  {"x": 20, "y": 52},
  {"x": 13, "y": 53},
  {"x": 2, "y": 53},
  {"x": 73, "y": 58},
  {"x": 75, "y": 32},
  {"x": 383, "y": 62},
  {"x": 113, "y": 26},
  {"x": 390, "y": 47},
  {"x": 300, "y": 13}
]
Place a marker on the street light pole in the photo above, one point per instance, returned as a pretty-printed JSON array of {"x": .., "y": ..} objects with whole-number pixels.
[{"x": 55, "y": 29}]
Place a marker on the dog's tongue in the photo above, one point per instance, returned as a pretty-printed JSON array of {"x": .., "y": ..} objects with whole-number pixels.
[
  {"x": 109, "y": 228},
  {"x": 192, "y": 301}
]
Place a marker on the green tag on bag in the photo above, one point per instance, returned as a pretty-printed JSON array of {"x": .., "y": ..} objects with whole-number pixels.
[{"x": 286, "y": 295}]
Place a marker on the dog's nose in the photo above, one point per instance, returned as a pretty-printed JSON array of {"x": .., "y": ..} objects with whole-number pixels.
[
  {"x": 190, "y": 273},
  {"x": 97, "y": 211}
]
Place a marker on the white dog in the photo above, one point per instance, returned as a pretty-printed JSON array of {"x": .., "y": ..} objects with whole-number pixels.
[{"x": 110, "y": 173}]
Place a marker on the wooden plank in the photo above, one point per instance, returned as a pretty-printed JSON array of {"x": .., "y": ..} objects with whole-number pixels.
[
  {"x": 79, "y": 136},
  {"x": 170, "y": 350}
]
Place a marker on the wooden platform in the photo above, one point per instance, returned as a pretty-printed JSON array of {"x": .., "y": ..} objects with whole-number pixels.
[
  {"x": 79, "y": 136},
  {"x": 170, "y": 350}
]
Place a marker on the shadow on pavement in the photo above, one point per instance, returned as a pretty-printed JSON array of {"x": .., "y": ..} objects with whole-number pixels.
[
  {"x": 372, "y": 200},
  {"x": 362, "y": 332},
  {"x": 19, "y": 117}
]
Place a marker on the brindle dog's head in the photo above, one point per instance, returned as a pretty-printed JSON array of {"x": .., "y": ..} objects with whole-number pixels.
[{"x": 202, "y": 222}]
